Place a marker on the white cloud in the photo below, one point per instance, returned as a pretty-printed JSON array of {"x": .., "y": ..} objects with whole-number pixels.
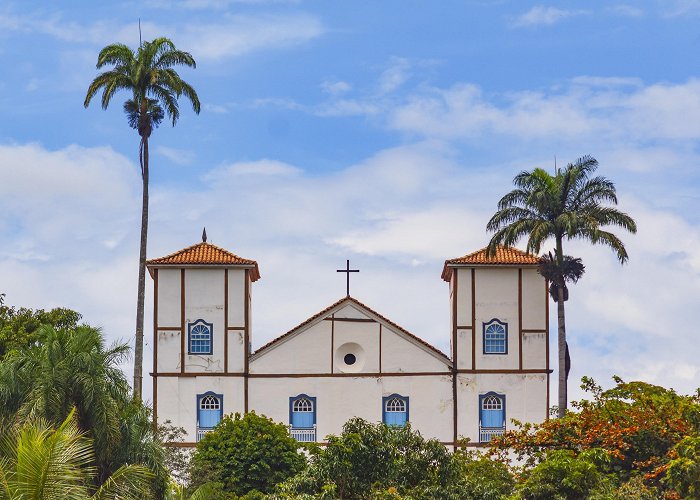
[
  {"x": 264, "y": 168},
  {"x": 238, "y": 35},
  {"x": 680, "y": 8},
  {"x": 175, "y": 155},
  {"x": 626, "y": 10},
  {"x": 540, "y": 15},
  {"x": 588, "y": 107},
  {"x": 335, "y": 87},
  {"x": 230, "y": 36},
  {"x": 394, "y": 76}
]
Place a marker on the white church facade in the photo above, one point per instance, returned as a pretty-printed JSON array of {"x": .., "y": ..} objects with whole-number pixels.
[{"x": 349, "y": 360}]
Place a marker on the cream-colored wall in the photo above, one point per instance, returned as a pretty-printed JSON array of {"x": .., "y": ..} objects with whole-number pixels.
[
  {"x": 168, "y": 298},
  {"x": 360, "y": 339},
  {"x": 526, "y": 399},
  {"x": 177, "y": 398},
  {"x": 535, "y": 299},
  {"x": 464, "y": 318},
  {"x": 204, "y": 299},
  {"x": 168, "y": 351},
  {"x": 307, "y": 352},
  {"x": 401, "y": 355},
  {"x": 340, "y": 398},
  {"x": 236, "y": 297},
  {"x": 497, "y": 297}
]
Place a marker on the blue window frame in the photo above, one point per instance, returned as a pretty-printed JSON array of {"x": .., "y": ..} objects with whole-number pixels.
[
  {"x": 210, "y": 409},
  {"x": 200, "y": 337},
  {"x": 492, "y": 410},
  {"x": 495, "y": 337},
  {"x": 302, "y": 411},
  {"x": 395, "y": 410}
]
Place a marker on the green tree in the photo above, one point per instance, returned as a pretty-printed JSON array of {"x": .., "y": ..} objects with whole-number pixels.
[
  {"x": 563, "y": 475},
  {"x": 246, "y": 453},
  {"x": 155, "y": 89},
  {"x": 567, "y": 205},
  {"x": 684, "y": 471},
  {"x": 72, "y": 368},
  {"x": 370, "y": 460},
  {"x": 19, "y": 326},
  {"x": 39, "y": 462}
]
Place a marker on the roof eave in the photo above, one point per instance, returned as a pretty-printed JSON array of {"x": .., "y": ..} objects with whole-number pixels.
[
  {"x": 447, "y": 270},
  {"x": 254, "y": 275}
]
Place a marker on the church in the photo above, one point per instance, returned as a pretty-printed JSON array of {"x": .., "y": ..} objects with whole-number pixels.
[{"x": 349, "y": 360}]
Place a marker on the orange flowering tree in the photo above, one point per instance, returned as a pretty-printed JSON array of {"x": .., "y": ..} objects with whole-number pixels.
[{"x": 636, "y": 424}]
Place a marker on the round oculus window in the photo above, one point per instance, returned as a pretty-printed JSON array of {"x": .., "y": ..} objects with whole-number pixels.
[{"x": 349, "y": 359}]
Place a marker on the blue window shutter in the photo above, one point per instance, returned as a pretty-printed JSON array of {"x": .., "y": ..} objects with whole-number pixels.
[
  {"x": 211, "y": 415},
  {"x": 492, "y": 417},
  {"x": 395, "y": 418},
  {"x": 302, "y": 411}
]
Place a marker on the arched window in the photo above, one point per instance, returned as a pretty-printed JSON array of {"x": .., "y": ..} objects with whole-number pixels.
[
  {"x": 492, "y": 411},
  {"x": 395, "y": 410},
  {"x": 210, "y": 409},
  {"x": 302, "y": 411},
  {"x": 495, "y": 337},
  {"x": 200, "y": 337}
]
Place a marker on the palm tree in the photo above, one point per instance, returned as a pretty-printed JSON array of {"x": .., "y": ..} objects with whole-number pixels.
[
  {"x": 39, "y": 462},
  {"x": 567, "y": 205},
  {"x": 155, "y": 89},
  {"x": 72, "y": 370}
]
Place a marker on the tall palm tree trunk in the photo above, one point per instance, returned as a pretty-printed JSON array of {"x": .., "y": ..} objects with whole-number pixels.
[
  {"x": 561, "y": 340},
  {"x": 561, "y": 335},
  {"x": 138, "y": 347}
]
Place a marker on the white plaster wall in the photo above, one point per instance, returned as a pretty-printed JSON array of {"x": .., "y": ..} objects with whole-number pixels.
[
  {"x": 497, "y": 297},
  {"x": 236, "y": 352},
  {"x": 464, "y": 356},
  {"x": 350, "y": 311},
  {"x": 464, "y": 296},
  {"x": 204, "y": 299},
  {"x": 365, "y": 336},
  {"x": 236, "y": 298},
  {"x": 307, "y": 352},
  {"x": 168, "y": 297},
  {"x": 340, "y": 398},
  {"x": 534, "y": 300},
  {"x": 526, "y": 399},
  {"x": 177, "y": 399},
  {"x": 168, "y": 351},
  {"x": 534, "y": 350},
  {"x": 402, "y": 355}
]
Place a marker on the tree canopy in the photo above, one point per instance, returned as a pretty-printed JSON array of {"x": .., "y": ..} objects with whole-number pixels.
[{"x": 246, "y": 453}]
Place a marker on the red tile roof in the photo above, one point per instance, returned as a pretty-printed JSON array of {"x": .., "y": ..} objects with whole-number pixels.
[
  {"x": 205, "y": 254},
  {"x": 505, "y": 256},
  {"x": 368, "y": 309}
]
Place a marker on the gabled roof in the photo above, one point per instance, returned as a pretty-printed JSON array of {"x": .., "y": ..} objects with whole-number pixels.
[
  {"x": 339, "y": 305},
  {"x": 205, "y": 254},
  {"x": 505, "y": 256}
]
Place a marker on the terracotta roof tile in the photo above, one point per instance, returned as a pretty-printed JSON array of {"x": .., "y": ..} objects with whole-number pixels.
[
  {"x": 205, "y": 254},
  {"x": 370, "y": 310},
  {"x": 505, "y": 256}
]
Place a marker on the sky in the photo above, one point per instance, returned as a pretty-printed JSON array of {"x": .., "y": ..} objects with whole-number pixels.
[{"x": 380, "y": 132}]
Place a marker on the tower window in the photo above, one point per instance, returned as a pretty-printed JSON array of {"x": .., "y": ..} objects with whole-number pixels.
[
  {"x": 495, "y": 337},
  {"x": 200, "y": 339}
]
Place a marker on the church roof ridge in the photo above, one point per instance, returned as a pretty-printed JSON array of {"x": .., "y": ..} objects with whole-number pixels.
[
  {"x": 205, "y": 254},
  {"x": 349, "y": 298},
  {"x": 505, "y": 256}
]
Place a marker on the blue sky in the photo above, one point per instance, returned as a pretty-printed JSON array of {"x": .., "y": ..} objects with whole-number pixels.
[{"x": 382, "y": 132}]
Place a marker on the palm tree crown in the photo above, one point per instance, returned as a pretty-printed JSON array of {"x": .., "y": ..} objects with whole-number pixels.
[{"x": 567, "y": 205}]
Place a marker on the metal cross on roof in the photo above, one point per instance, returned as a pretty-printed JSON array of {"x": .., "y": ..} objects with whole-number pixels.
[{"x": 347, "y": 272}]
